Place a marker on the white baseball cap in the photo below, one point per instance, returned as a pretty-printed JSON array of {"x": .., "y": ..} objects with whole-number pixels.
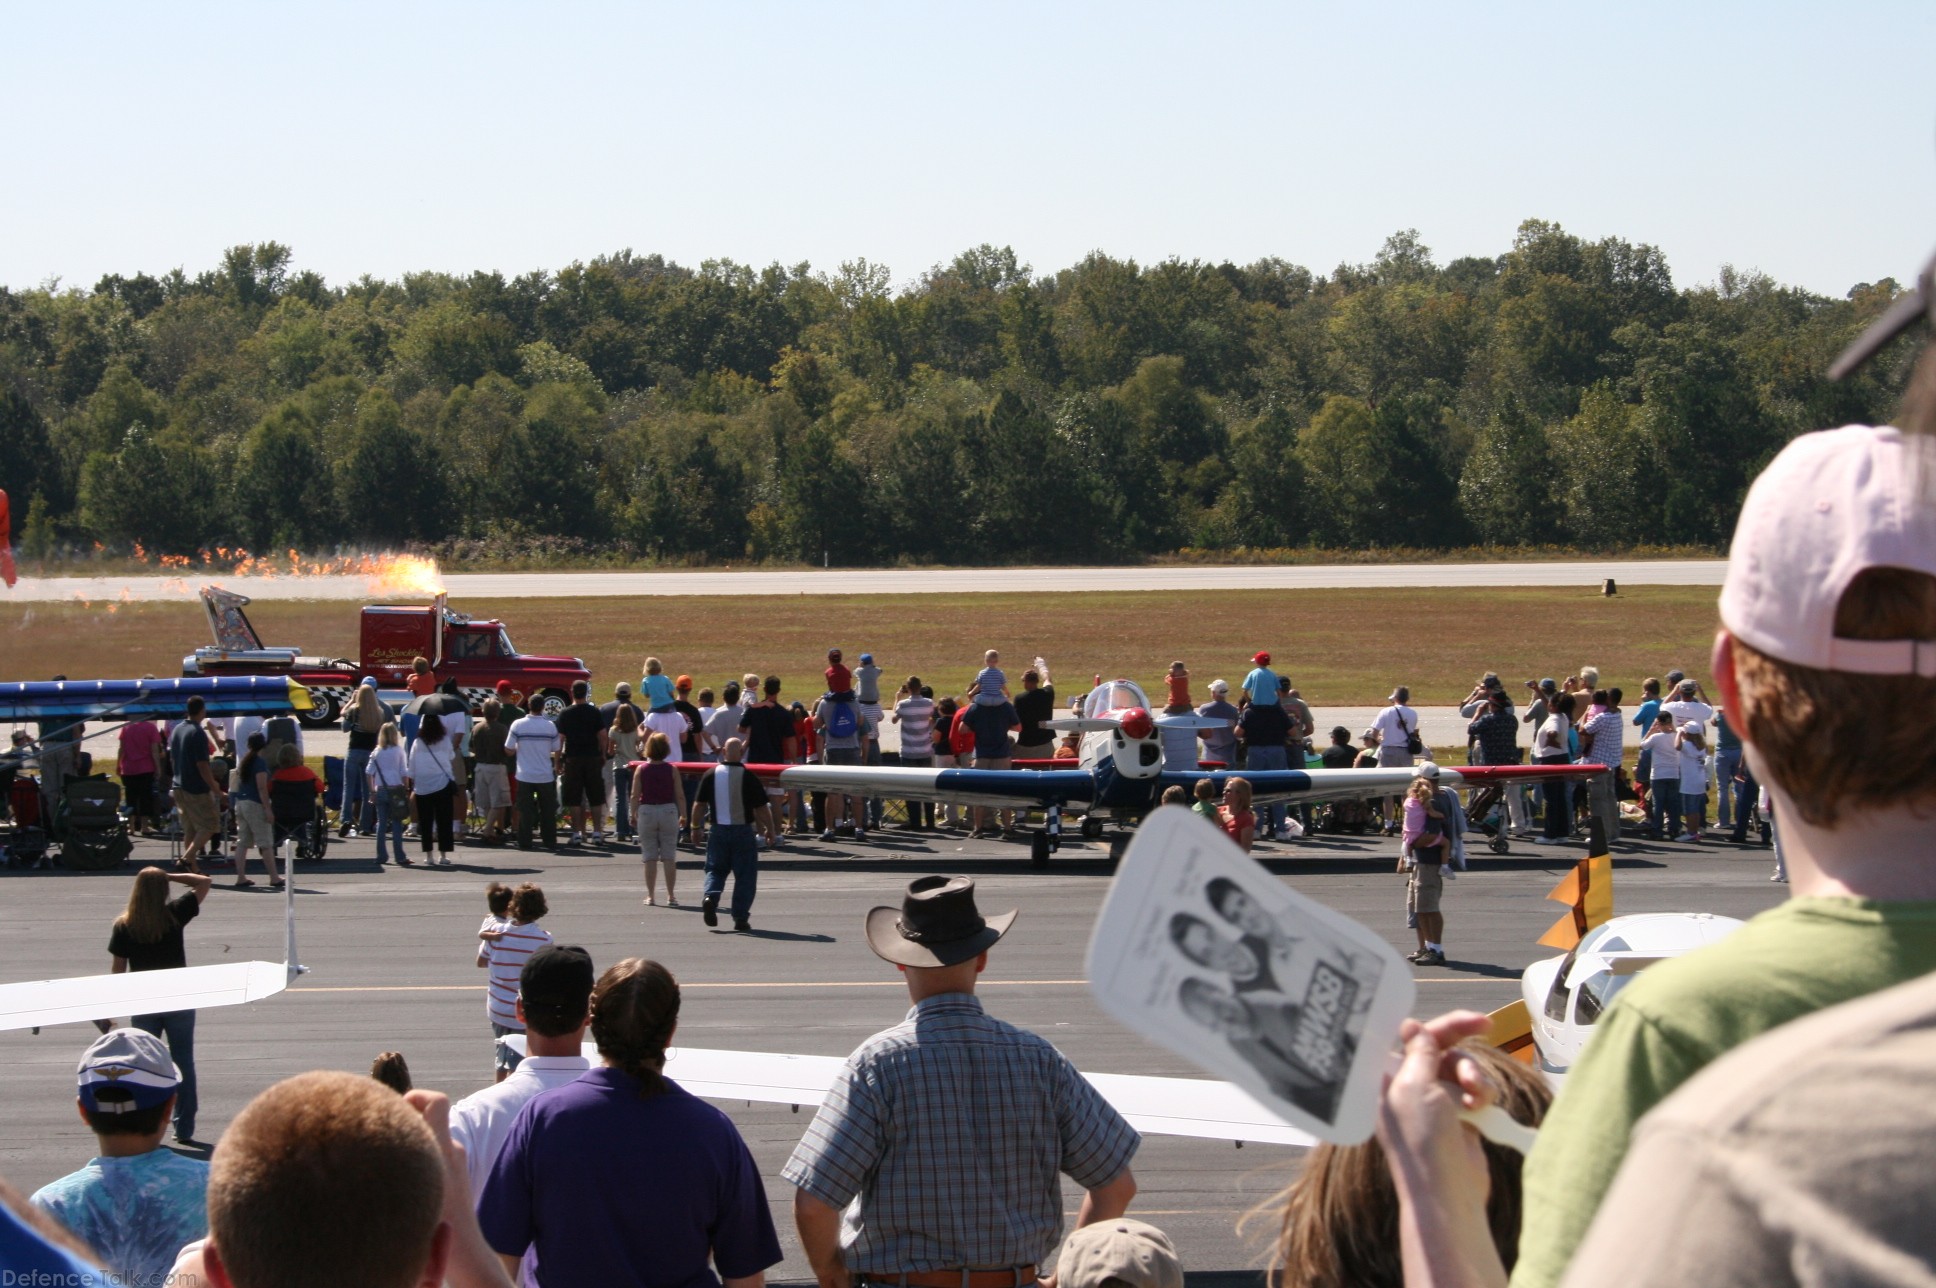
[{"x": 1831, "y": 506}]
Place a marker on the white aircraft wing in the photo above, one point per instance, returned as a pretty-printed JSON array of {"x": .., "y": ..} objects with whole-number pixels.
[
  {"x": 1156, "y": 1106},
  {"x": 41, "y": 1002},
  {"x": 991, "y": 787},
  {"x": 1195, "y": 1107},
  {"x": 37, "y": 1003}
]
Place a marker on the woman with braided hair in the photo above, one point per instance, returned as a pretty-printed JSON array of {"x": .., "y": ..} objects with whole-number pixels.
[{"x": 623, "y": 1177}]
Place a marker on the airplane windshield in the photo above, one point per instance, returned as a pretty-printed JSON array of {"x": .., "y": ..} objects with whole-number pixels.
[
  {"x": 1597, "y": 993},
  {"x": 1114, "y": 696}
]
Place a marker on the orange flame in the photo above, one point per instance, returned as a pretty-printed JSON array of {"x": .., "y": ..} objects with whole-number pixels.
[{"x": 403, "y": 575}]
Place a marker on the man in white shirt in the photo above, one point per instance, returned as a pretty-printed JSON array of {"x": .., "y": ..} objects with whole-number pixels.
[
  {"x": 1687, "y": 707},
  {"x": 534, "y": 741},
  {"x": 915, "y": 715},
  {"x": 722, "y": 724},
  {"x": 1397, "y": 724},
  {"x": 554, "y": 1001}
]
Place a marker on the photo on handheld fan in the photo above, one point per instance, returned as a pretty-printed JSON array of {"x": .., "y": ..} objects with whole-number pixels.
[{"x": 1201, "y": 950}]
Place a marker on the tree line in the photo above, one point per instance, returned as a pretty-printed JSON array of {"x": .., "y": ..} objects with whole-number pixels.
[{"x": 1562, "y": 393}]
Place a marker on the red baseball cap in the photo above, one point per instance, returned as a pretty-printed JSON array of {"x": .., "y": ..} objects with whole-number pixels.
[
  {"x": 1262, "y": 659},
  {"x": 503, "y": 686},
  {"x": 683, "y": 682}
]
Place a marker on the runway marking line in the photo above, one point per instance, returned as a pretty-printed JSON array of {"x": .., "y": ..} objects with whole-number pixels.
[{"x": 829, "y": 983}]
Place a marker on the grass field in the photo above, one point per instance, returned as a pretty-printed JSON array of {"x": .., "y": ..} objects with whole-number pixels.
[{"x": 1341, "y": 647}]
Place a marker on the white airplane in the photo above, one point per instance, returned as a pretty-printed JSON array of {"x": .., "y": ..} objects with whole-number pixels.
[
  {"x": 1119, "y": 775},
  {"x": 1156, "y": 1106},
  {"x": 1565, "y": 996},
  {"x": 35, "y": 1004}
]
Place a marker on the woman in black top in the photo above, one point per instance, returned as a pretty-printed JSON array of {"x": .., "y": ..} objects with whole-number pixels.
[{"x": 148, "y": 936}]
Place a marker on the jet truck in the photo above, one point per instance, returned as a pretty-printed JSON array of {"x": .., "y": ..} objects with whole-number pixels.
[{"x": 476, "y": 654}]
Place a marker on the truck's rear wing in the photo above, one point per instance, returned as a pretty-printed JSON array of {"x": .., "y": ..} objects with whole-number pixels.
[{"x": 233, "y": 631}]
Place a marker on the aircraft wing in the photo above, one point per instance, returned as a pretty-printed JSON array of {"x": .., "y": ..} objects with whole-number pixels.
[
  {"x": 1273, "y": 786},
  {"x": 41, "y": 1002},
  {"x": 1156, "y": 1106},
  {"x": 990, "y": 787}
]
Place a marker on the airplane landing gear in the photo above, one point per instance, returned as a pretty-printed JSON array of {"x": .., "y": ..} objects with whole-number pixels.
[
  {"x": 1092, "y": 827},
  {"x": 1039, "y": 849}
]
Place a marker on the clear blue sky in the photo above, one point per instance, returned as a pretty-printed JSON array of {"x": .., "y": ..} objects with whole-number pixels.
[{"x": 381, "y": 138}]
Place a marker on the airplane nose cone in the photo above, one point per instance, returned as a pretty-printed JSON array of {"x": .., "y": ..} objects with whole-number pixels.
[{"x": 1137, "y": 723}]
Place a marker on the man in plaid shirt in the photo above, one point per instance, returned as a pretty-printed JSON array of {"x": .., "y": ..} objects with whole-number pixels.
[{"x": 935, "y": 1160}]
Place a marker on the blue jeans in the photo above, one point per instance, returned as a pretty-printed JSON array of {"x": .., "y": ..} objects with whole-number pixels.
[
  {"x": 387, "y": 825},
  {"x": 1664, "y": 809},
  {"x": 621, "y": 798},
  {"x": 356, "y": 790},
  {"x": 177, "y": 1028},
  {"x": 1269, "y": 817},
  {"x": 732, "y": 848},
  {"x": 1726, "y": 761}
]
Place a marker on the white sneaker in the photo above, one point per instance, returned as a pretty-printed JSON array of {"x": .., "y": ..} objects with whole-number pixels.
[
  {"x": 1687, "y": 836},
  {"x": 598, "y": 838},
  {"x": 577, "y": 838},
  {"x": 1282, "y": 834}
]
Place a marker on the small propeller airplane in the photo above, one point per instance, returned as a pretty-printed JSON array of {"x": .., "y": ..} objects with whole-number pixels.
[
  {"x": 1119, "y": 776},
  {"x": 1562, "y": 998}
]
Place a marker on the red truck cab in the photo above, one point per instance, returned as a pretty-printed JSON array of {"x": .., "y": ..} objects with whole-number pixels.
[{"x": 476, "y": 654}]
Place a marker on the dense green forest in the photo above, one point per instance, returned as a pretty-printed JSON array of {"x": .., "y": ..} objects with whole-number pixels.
[{"x": 1563, "y": 393}]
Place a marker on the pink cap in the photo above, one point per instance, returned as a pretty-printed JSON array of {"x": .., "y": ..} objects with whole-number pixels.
[{"x": 1831, "y": 506}]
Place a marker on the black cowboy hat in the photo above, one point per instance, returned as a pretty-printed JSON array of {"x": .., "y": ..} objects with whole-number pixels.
[{"x": 937, "y": 924}]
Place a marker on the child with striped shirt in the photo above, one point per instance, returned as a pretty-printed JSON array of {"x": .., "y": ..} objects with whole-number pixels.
[{"x": 508, "y": 949}]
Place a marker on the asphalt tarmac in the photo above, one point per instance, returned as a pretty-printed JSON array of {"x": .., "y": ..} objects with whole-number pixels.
[
  {"x": 391, "y": 954},
  {"x": 918, "y": 581}
]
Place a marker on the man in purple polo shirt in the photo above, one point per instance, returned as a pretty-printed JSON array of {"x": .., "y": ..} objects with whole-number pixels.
[{"x": 622, "y": 1177}]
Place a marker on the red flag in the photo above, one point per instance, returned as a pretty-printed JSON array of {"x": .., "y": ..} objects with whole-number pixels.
[{"x": 6, "y": 543}]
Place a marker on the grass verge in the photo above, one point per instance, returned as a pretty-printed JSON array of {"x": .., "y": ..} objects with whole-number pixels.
[{"x": 1341, "y": 647}]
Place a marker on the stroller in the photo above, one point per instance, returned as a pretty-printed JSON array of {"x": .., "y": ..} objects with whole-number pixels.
[
  {"x": 27, "y": 844},
  {"x": 296, "y": 811},
  {"x": 93, "y": 836}
]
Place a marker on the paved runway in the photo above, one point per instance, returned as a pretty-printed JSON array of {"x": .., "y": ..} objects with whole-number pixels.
[
  {"x": 391, "y": 954},
  {"x": 916, "y": 581}
]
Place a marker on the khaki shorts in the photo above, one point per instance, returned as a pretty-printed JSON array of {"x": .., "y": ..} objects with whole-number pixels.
[
  {"x": 253, "y": 830},
  {"x": 493, "y": 788},
  {"x": 1428, "y": 883},
  {"x": 198, "y": 814}
]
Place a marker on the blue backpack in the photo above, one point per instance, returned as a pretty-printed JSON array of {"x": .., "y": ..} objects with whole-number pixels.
[{"x": 843, "y": 721}]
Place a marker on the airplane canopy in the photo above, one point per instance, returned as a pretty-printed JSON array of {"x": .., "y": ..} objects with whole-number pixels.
[{"x": 1114, "y": 695}]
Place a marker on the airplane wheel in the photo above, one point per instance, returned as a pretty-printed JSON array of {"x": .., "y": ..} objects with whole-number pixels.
[
  {"x": 1091, "y": 828},
  {"x": 1039, "y": 849}
]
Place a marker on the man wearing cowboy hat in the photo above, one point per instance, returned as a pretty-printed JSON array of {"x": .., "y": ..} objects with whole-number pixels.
[{"x": 951, "y": 1129}]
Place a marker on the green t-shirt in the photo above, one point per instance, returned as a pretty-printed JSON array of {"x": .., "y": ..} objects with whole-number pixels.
[{"x": 1802, "y": 957}]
